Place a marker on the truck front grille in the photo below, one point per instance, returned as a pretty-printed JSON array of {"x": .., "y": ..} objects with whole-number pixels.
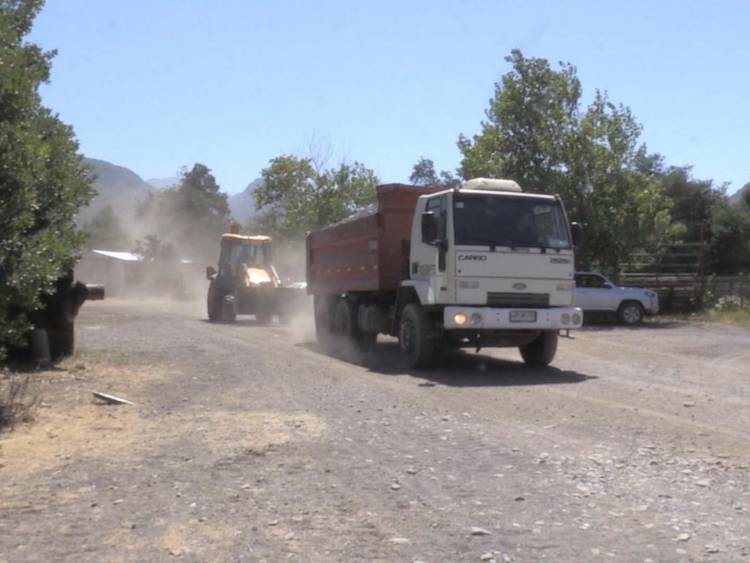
[{"x": 517, "y": 300}]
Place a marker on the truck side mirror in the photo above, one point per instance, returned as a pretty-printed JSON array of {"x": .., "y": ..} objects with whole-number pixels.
[
  {"x": 210, "y": 272},
  {"x": 429, "y": 227},
  {"x": 577, "y": 231}
]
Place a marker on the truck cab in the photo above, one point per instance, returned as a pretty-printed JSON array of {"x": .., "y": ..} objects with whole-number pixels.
[{"x": 483, "y": 265}]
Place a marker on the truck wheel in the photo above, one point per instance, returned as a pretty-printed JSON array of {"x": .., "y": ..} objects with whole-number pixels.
[
  {"x": 346, "y": 330},
  {"x": 344, "y": 326},
  {"x": 415, "y": 337},
  {"x": 322, "y": 313},
  {"x": 366, "y": 341},
  {"x": 630, "y": 313},
  {"x": 541, "y": 350}
]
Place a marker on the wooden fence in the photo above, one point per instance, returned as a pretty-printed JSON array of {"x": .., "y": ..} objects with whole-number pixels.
[{"x": 689, "y": 292}]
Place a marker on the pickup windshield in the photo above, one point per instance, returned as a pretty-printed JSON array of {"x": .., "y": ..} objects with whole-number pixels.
[{"x": 496, "y": 220}]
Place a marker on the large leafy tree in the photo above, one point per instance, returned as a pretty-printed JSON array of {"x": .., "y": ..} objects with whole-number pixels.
[
  {"x": 43, "y": 181},
  {"x": 191, "y": 216},
  {"x": 537, "y": 133},
  {"x": 729, "y": 249},
  {"x": 297, "y": 196},
  {"x": 423, "y": 174}
]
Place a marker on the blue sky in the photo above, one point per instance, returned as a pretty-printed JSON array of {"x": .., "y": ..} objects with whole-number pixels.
[{"x": 159, "y": 84}]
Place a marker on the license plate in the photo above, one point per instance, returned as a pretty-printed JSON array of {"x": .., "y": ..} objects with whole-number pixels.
[{"x": 523, "y": 316}]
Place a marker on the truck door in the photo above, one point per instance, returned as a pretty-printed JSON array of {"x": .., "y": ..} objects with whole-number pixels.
[{"x": 439, "y": 206}]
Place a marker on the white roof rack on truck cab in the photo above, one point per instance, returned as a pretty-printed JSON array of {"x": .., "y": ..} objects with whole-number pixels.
[{"x": 491, "y": 184}]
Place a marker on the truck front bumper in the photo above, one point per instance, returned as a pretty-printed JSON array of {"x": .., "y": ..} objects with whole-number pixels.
[{"x": 478, "y": 318}]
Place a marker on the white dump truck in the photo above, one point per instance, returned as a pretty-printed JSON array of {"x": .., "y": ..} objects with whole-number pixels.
[{"x": 482, "y": 265}]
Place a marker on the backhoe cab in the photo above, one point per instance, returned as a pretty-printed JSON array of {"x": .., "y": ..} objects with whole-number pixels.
[{"x": 247, "y": 283}]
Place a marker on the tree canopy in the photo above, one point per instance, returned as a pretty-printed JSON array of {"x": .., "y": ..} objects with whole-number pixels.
[
  {"x": 104, "y": 231},
  {"x": 537, "y": 133},
  {"x": 424, "y": 174},
  {"x": 296, "y": 196},
  {"x": 191, "y": 217},
  {"x": 43, "y": 181}
]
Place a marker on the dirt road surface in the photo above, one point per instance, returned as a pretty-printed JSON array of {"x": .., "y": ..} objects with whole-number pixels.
[{"x": 246, "y": 443}]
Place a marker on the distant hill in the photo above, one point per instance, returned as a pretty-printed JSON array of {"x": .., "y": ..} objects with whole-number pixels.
[
  {"x": 737, "y": 197},
  {"x": 116, "y": 186},
  {"x": 164, "y": 183},
  {"x": 242, "y": 205}
]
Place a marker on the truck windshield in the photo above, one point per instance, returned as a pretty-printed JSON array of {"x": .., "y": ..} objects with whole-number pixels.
[{"x": 509, "y": 221}]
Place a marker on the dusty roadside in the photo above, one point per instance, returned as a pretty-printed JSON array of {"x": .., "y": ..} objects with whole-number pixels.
[{"x": 246, "y": 443}]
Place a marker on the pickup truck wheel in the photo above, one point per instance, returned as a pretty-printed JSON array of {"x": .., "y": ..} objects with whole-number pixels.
[
  {"x": 415, "y": 337},
  {"x": 630, "y": 313},
  {"x": 541, "y": 350}
]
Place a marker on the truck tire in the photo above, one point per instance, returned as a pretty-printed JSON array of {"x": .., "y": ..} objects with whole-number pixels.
[
  {"x": 343, "y": 325},
  {"x": 347, "y": 331},
  {"x": 541, "y": 350},
  {"x": 322, "y": 313},
  {"x": 630, "y": 313},
  {"x": 415, "y": 337}
]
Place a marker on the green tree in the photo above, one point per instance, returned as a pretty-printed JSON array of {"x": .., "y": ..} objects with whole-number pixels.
[
  {"x": 730, "y": 238},
  {"x": 105, "y": 231},
  {"x": 43, "y": 181},
  {"x": 191, "y": 216},
  {"x": 536, "y": 133},
  {"x": 296, "y": 197},
  {"x": 693, "y": 202},
  {"x": 423, "y": 174}
]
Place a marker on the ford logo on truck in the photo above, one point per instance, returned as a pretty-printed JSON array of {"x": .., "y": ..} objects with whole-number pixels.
[{"x": 480, "y": 257}]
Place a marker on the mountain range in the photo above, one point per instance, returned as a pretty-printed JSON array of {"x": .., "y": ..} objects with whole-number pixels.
[
  {"x": 122, "y": 189},
  {"x": 737, "y": 197}
]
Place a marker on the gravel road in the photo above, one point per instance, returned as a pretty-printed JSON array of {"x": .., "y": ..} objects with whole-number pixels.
[{"x": 246, "y": 443}]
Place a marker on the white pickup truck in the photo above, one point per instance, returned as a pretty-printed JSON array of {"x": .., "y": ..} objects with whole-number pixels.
[{"x": 595, "y": 293}]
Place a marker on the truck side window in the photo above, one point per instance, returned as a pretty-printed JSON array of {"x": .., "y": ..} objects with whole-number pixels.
[{"x": 437, "y": 205}]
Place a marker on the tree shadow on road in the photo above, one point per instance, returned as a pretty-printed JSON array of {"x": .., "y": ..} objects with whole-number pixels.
[{"x": 458, "y": 368}]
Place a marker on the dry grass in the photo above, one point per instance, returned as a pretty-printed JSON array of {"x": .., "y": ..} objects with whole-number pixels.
[
  {"x": 18, "y": 400},
  {"x": 737, "y": 317}
]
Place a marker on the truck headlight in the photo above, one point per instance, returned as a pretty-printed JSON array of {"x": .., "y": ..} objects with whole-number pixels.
[
  {"x": 650, "y": 294},
  {"x": 565, "y": 318},
  {"x": 566, "y": 286},
  {"x": 476, "y": 319},
  {"x": 576, "y": 319},
  {"x": 459, "y": 318}
]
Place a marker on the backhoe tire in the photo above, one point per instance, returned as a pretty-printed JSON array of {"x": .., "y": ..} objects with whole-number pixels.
[
  {"x": 262, "y": 317},
  {"x": 415, "y": 337},
  {"x": 228, "y": 310},
  {"x": 214, "y": 309},
  {"x": 213, "y": 303},
  {"x": 540, "y": 351}
]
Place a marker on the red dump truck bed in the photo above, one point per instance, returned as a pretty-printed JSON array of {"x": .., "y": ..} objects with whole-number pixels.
[{"x": 364, "y": 253}]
